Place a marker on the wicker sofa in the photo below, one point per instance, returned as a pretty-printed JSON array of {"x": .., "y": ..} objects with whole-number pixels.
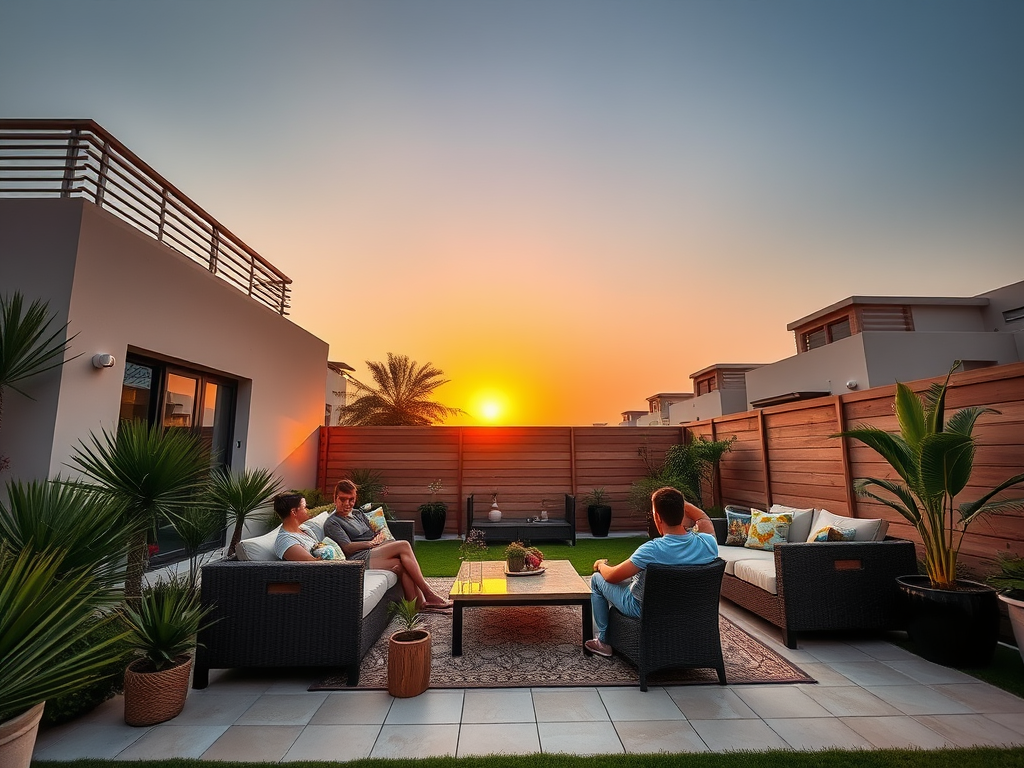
[
  {"x": 286, "y": 614},
  {"x": 805, "y": 586}
]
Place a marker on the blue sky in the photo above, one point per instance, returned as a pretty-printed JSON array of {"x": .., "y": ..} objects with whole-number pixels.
[{"x": 572, "y": 205}]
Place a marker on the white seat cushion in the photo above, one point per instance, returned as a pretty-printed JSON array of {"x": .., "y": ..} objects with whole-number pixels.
[
  {"x": 733, "y": 555},
  {"x": 865, "y": 529},
  {"x": 375, "y": 584},
  {"x": 760, "y": 573}
]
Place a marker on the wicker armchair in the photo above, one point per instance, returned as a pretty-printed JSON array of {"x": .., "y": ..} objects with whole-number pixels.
[
  {"x": 287, "y": 614},
  {"x": 678, "y": 624}
]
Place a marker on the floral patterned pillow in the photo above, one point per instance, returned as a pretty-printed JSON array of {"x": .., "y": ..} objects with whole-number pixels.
[
  {"x": 380, "y": 523},
  {"x": 831, "y": 533},
  {"x": 738, "y": 527},
  {"x": 768, "y": 530}
]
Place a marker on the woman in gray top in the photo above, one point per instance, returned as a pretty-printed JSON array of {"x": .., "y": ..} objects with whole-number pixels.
[{"x": 354, "y": 534}]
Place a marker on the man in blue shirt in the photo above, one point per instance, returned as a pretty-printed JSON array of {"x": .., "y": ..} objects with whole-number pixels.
[{"x": 620, "y": 584}]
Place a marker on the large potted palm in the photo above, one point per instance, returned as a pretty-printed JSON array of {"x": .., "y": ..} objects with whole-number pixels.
[{"x": 951, "y": 621}]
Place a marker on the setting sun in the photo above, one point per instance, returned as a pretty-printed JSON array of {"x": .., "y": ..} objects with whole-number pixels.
[
  {"x": 490, "y": 410},
  {"x": 489, "y": 406}
]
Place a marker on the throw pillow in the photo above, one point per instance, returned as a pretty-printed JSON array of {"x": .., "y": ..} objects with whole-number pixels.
[
  {"x": 260, "y": 548},
  {"x": 768, "y": 530},
  {"x": 380, "y": 523},
  {"x": 829, "y": 533},
  {"x": 739, "y": 526},
  {"x": 328, "y": 549},
  {"x": 865, "y": 529},
  {"x": 801, "y": 527}
]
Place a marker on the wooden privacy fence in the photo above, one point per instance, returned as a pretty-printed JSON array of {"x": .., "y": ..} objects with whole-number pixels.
[
  {"x": 785, "y": 454},
  {"x": 530, "y": 468}
]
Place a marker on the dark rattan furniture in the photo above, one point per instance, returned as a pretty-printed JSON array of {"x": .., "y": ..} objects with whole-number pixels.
[
  {"x": 287, "y": 614},
  {"x": 848, "y": 585},
  {"x": 518, "y": 529},
  {"x": 678, "y": 624}
]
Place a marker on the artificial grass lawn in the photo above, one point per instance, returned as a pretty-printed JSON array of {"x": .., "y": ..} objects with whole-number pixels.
[
  {"x": 978, "y": 757},
  {"x": 441, "y": 557}
]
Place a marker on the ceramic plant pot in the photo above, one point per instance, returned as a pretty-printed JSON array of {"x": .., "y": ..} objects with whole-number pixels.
[
  {"x": 408, "y": 663},
  {"x": 956, "y": 627},
  {"x": 1016, "y": 609},
  {"x": 599, "y": 516},
  {"x": 18, "y": 738}
]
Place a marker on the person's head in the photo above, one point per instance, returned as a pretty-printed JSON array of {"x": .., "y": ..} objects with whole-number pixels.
[
  {"x": 345, "y": 497},
  {"x": 669, "y": 504},
  {"x": 286, "y": 503}
]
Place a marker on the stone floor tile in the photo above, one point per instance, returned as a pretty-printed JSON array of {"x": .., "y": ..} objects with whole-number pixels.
[
  {"x": 625, "y": 704},
  {"x": 849, "y": 701},
  {"x": 408, "y": 741},
  {"x": 215, "y": 708},
  {"x": 87, "y": 740},
  {"x": 582, "y": 738},
  {"x": 282, "y": 709},
  {"x": 918, "y": 700},
  {"x": 816, "y": 733},
  {"x": 168, "y": 741},
  {"x": 900, "y": 732},
  {"x": 498, "y": 739},
  {"x": 580, "y": 705},
  {"x": 923, "y": 671},
  {"x": 972, "y": 730},
  {"x": 699, "y": 702},
  {"x": 254, "y": 743},
  {"x": 334, "y": 743},
  {"x": 866, "y": 673},
  {"x": 831, "y": 653},
  {"x": 1012, "y": 721},
  {"x": 498, "y": 706},
  {"x": 781, "y": 702},
  {"x": 882, "y": 650},
  {"x": 432, "y": 707},
  {"x": 733, "y": 735},
  {"x": 354, "y": 708},
  {"x": 659, "y": 736},
  {"x": 983, "y": 698},
  {"x": 235, "y": 681},
  {"x": 824, "y": 675}
]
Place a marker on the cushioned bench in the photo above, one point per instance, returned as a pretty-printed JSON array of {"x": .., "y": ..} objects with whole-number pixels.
[{"x": 518, "y": 529}]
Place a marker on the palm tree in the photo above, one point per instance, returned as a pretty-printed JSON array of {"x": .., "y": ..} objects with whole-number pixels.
[
  {"x": 402, "y": 396},
  {"x": 239, "y": 495},
  {"x": 151, "y": 474},
  {"x": 25, "y": 347}
]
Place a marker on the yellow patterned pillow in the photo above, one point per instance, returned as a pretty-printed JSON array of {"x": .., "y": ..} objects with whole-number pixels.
[
  {"x": 380, "y": 523},
  {"x": 768, "y": 530}
]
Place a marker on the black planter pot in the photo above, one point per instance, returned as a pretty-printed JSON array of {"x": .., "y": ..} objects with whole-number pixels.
[
  {"x": 958, "y": 628},
  {"x": 433, "y": 524},
  {"x": 599, "y": 516}
]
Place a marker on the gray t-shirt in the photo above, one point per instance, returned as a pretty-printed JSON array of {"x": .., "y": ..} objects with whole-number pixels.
[
  {"x": 345, "y": 530},
  {"x": 305, "y": 538}
]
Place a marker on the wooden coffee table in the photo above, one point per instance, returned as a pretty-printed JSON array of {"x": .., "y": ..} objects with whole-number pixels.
[{"x": 559, "y": 584}]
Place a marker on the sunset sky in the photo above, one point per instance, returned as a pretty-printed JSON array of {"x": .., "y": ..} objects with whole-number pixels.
[{"x": 567, "y": 206}]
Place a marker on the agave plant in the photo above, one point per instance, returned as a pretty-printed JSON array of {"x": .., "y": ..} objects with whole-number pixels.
[
  {"x": 241, "y": 495},
  {"x": 408, "y": 614},
  {"x": 935, "y": 459},
  {"x": 44, "y": 611},
  {"x": 151, "y": 474},
  {"x": 165, "y": 622}
]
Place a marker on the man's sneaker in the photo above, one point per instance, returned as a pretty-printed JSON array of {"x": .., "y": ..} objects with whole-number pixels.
[{"x": 596, "y": 646}]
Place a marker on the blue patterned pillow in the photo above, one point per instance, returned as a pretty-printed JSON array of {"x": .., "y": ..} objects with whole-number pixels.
[
  {"x": 831, "y": 533},
  {"x": 768, "y": 530},
  {"x": 738, "y": 527}
]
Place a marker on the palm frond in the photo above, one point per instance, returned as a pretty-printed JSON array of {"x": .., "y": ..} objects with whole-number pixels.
[
  {"x": 25, "y": 346},
  {"x": 904, "y": 503}
]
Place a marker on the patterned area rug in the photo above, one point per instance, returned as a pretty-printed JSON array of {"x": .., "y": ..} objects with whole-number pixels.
[{"x": 541, "y": 646}]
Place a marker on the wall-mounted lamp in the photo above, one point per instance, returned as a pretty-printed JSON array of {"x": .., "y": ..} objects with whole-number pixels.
[
  {"x": 103, "y": 360},
  {"x": 852, "y": 384}
]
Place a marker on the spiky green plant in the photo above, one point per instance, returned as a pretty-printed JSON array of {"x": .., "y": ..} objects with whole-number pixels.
[
  {"x": 197, "y": 524},
  {"x": 44, "y": 611},
  {"x": 242, "y": 494},
  {"x": 935, "y": 459},
  {"x": 401, "y": 398},
  {"x": 407, "y": 613},
  {"x": 150, "y": 474},
  {"x": 165, "y": 621}
]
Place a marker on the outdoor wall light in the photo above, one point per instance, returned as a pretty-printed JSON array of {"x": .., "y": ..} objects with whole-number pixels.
[
  {"x": 103, "y": 360},
  {"x": 851, "y": 384}
]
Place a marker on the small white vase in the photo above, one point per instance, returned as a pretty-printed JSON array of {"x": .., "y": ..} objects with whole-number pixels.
[{"x": 495, "y": 514}]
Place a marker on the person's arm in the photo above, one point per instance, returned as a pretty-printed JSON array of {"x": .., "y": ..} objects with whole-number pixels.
[
  {"x": 298, "y": 552},
  {"x": 699, "y": 519},
  {"x": 613, "y": 574},
  {"x": 360, "y": 546}
]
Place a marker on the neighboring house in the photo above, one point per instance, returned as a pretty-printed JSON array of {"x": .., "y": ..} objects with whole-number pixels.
[
  {"x": 871, "y": 341},
  {"x": 338, "y": 380},
  {"x": 629, "y": 418},
  {"x": 658, "y": 408},
  {"x": 718, "y": 390},
  {"x": 191, "y": 318}
]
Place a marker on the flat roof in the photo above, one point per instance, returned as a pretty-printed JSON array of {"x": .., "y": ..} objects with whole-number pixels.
[
  {"x": 727, "y": 367},
  {"x": 899, "y": 301}
]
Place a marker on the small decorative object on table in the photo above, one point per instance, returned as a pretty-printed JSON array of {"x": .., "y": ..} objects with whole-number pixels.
[
  {"x": 473, "y": 550},
  {"x": 515, "y": 556}
]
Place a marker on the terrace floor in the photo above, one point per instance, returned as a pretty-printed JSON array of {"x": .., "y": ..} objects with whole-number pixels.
[{"x": 870, "y": 694}]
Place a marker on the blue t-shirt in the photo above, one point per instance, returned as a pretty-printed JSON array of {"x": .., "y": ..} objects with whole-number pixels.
[{"x": 672, "y": 549}]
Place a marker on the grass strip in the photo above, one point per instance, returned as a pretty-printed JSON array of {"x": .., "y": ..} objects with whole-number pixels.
[
  {"x": 976, "y": 757},
  {"x": 441, "y": 557}
]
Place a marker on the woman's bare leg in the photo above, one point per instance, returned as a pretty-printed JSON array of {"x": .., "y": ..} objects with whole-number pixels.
[{"x": 388, "y": 554}]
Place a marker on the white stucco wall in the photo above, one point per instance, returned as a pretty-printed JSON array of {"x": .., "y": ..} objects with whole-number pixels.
[
  {"x": 947, "y": 318},
  {"x": 825, "y": 369},
  {"x": 122, "y": 290},
  {"x": 895, "y": 357}
]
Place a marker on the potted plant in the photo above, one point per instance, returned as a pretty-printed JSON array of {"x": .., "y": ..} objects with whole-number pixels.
[
  {"x": 408, "y": 652},
  {"x": 433, "y": 513},
  {"x": 45, "y": 610},
  {"x": 951, "y": 621},
  {"x": 599, "y": 514},
  {"x": 163, "y": 623},
  {"x": 515, "y": 557},
  {"x": 1009, "y": 580}
]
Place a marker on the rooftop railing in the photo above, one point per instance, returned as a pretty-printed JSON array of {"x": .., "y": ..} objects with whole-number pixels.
[{"x": 79, "y": 159}]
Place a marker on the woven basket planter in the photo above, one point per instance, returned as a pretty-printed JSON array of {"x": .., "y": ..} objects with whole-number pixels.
[{"x": 155, "y": 697}]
